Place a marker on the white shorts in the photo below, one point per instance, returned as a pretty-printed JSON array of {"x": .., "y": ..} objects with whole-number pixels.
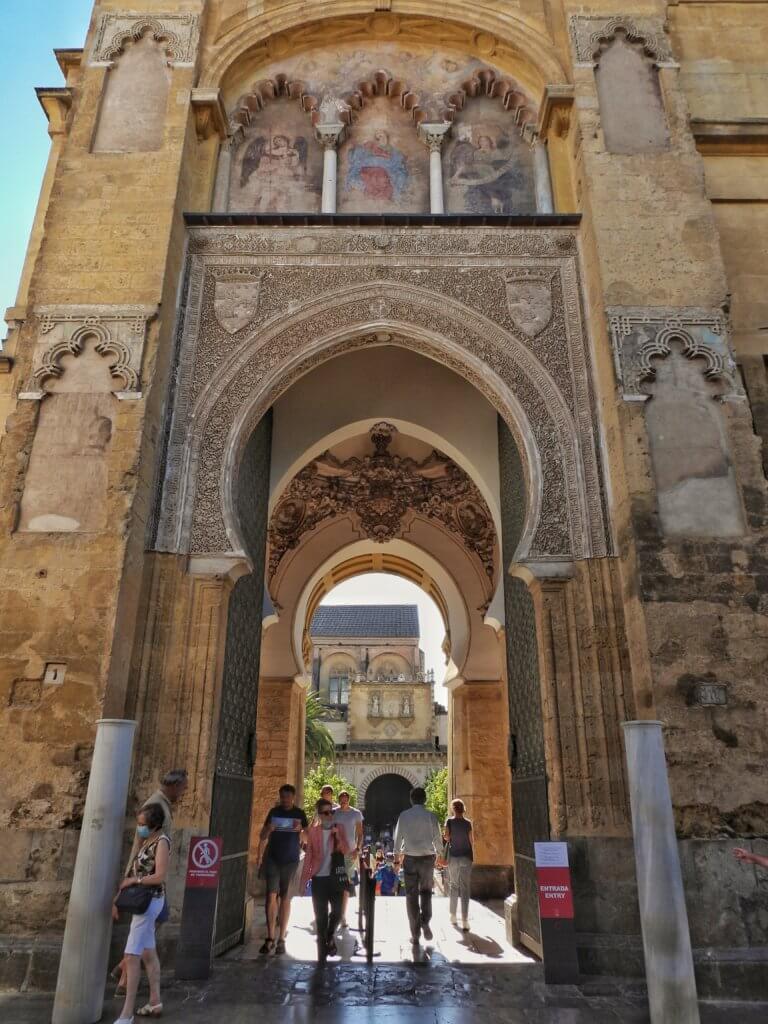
[{"x": 142, "y": 933}]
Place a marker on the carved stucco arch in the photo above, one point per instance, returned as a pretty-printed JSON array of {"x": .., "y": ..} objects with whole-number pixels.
[
  {"x": 513, "y": 41},
  {"x": 499, "y": 365},
  {"x": 174, "y": 46},
  {"x": 394, "y": 769},
  {"x": 106, "y": 345},
  {"x": 487, "y": 83},
  {"x": 661, "y": 346}
]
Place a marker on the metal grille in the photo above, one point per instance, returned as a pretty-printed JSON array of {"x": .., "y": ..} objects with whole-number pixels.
[
  {"x": 530, "y": 812},
  {"x": 233, "y": 781}
]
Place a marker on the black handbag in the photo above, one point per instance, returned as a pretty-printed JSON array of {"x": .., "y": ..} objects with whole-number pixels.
[
  {"x": 134, "y": 899},
  {"x": 339, "y": 876}
]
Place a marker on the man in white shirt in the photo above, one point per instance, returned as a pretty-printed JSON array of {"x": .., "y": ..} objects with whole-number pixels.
[
  {"x": 418, "y": 843},
  {"x": 351, "y": 821}
]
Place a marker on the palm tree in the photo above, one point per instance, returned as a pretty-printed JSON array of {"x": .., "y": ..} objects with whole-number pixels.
[{"x": 318, "y": 741}]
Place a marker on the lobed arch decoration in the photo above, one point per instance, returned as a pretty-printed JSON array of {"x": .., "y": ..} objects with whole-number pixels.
[
  {"x": 382, "y": 85},
  {"x": 265, "y": 92},
  {"x": 660, "y": 347},
  {"x": 50, "y": 363},
  {"x": 517, "y": 47},
  {"x": 487, "y": 82},
  {"x": 176, "y": 48}
]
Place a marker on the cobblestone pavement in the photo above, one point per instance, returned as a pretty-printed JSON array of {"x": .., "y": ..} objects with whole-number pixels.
[{"x": 457, "y": 979}]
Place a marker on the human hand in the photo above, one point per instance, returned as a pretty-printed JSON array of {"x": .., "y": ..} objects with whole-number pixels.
[
  {"x": 115, "y": 913},
  {"x": 741, "y": 854},
  {"x": 126, "y": 882},
  {"x": 296, "y": 825}
]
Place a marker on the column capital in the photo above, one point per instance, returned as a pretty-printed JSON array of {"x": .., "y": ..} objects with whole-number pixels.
[
  {"x": 330, "y": 135},
  {"x": 433, "y": 135}
]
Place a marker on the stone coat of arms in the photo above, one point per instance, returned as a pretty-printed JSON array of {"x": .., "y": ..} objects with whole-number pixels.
[
  {"x": 529, "y": 299},
  {"x": 236, "y": 301}
]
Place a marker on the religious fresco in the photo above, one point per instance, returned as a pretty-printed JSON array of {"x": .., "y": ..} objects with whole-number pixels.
[
  {"x": 487, "y": 165},
  {"x": 278, "y": 168},
  {"x": 383, "y": 165}
]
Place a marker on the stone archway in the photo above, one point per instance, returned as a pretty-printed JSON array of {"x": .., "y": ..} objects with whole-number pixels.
[
  {"x": 377, "y": 773},
  {"x": 386, "y": 797}
]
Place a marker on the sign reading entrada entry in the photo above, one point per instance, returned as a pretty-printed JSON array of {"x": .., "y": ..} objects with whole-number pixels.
[
  {"x": 198, "y": 917},
  {"x": 558, "y": 935}
]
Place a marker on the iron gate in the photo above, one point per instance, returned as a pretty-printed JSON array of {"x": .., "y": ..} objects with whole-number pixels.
[
  {"x": 530, "y": 809},
  {"x": 236, "y": 749}
]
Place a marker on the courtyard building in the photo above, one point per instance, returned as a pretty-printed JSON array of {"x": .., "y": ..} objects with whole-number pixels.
[
  {"x": 389, "y": 731},
  {"x": 470, "y": 294}
]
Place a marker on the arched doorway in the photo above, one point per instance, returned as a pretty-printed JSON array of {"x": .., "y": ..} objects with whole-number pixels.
[{"x": 385, "y": 800}]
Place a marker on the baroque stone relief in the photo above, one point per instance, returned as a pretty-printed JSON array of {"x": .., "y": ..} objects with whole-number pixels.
[
  {"x": 640, "y": 336},
  {"x": 379, "y": 490},
  {"x": 119, "y": 334},
  {"x": 441, "y": 292},
  {"x": 178, "y": 31},
  {"x": 590, "y": 32}
]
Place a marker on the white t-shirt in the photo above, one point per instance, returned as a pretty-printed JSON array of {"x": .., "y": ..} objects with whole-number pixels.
[
  {"x": 348, "y": 820},
  {"x": 325, "y": 864}
]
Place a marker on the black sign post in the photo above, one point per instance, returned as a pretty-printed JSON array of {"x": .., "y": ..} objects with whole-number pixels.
[{"x": 198, "y": 916}]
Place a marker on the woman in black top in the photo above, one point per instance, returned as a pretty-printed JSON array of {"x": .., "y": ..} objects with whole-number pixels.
[
  {"x": 149, "y": 869},
  {"x": 459, "y": 840}
]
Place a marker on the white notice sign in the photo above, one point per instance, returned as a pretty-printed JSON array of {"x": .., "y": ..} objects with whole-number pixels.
[{"x": 551, "y": 855}]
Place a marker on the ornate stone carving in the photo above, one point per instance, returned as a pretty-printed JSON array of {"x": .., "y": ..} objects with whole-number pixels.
[
  {"x": 118, "y": 331},
  {"x": 236, "y": 299},
  {"x": 178, "y": 31},
  {"x": 379, "y": 490},
  {"x": 590, "y": 32},
  {"x": 434, "y": 135},
  {"x": 329, "y": 135},
  {"x": 640, "y": 335},
  {"x": 529, "y": 298},
  {"x": 444, "y": 295}
]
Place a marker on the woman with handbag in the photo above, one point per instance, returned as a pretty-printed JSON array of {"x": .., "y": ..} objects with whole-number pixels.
[
  {"x": 324, "y": 864},
  {"x": 459, "y": 853},
  {"x": 142, "y": 893}
]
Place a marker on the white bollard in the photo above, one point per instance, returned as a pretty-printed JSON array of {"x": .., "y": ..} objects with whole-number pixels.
[
  {"x": 663, "y": 915},
  {"x": 84, "y": 956}
]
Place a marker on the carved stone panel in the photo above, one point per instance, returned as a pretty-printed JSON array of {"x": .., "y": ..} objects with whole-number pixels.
[
  {"x": 441, "y": 292},
  {"x": 178, "y": 31},
  {"x": 117, "y": 332},
  {"x": 641, "y": 335},
  {"x": 589, "y": 33}
]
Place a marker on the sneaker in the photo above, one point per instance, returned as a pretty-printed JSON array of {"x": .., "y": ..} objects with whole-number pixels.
[
  {"x": 454, "y": 921},
  {"x": 280, "y": 947},
  {"x": 465, "y": 925},
  {"x": 427, "y": 932},
  {"x": 267, "y": 948}
]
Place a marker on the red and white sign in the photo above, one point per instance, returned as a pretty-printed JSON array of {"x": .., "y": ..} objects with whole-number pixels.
[
  {"x": 204, "y": 863},
  {"x": 553, "y": 877}
]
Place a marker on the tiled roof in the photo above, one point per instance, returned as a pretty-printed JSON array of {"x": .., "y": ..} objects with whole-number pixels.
[{"x": 347, "y": 620}]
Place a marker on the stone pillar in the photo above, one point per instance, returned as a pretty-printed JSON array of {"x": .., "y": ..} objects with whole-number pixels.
[
  {"x": 480, "y": 776},
  {"x": 663, "y": 914},
  {"x": 280, "y": 718},
  {"x": 433, "y": 135},
  {"x": 223, "y": 176},
  {"x": 329, "y": 136},
  {"x": 541, "y": 178},
  {"x": 85, "y": 953}
]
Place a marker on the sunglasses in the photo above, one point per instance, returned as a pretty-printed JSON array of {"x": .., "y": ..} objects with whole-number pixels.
[{"x": 326, "y": 814}]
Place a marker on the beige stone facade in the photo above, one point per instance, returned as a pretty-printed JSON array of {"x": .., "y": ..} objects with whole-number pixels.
[{"x": 547, "y": 408}]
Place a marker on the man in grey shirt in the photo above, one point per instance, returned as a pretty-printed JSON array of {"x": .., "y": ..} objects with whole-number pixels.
[{"x": 418, "y": 843}]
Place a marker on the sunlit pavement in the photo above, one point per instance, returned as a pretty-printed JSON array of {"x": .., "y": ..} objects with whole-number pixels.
[{"x": 458, "y": 978}]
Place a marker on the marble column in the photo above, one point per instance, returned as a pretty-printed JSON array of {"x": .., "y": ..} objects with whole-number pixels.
[
  {"x": 433, "y": 135},
  {"x": 223, "y": 176},
  {"x": 85, "y": 952},
  {"x": 663, "y": 914},
  {"x": 329, "y": 136},
  {"x": 541, "y": 178}
]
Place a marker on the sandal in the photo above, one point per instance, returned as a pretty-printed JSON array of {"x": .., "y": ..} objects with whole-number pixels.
[
  {"x": 267, "y": 947},
  {"x": 150, "y": 1011}
]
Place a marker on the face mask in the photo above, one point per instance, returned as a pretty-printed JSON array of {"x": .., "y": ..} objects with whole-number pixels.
[{"x": 143, "y": 831}]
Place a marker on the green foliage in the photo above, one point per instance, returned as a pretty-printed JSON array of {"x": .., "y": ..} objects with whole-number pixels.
[
  {"x": 325, "y": 774},
  {"x": 437, "y": 793},
  {"x": 318, "y": 741}
]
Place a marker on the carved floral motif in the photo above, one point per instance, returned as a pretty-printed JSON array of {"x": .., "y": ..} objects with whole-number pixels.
[{"x": 379, "y": 490}]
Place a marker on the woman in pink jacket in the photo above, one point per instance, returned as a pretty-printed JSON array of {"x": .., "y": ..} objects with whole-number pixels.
[{"x": 323, "y": 840}]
